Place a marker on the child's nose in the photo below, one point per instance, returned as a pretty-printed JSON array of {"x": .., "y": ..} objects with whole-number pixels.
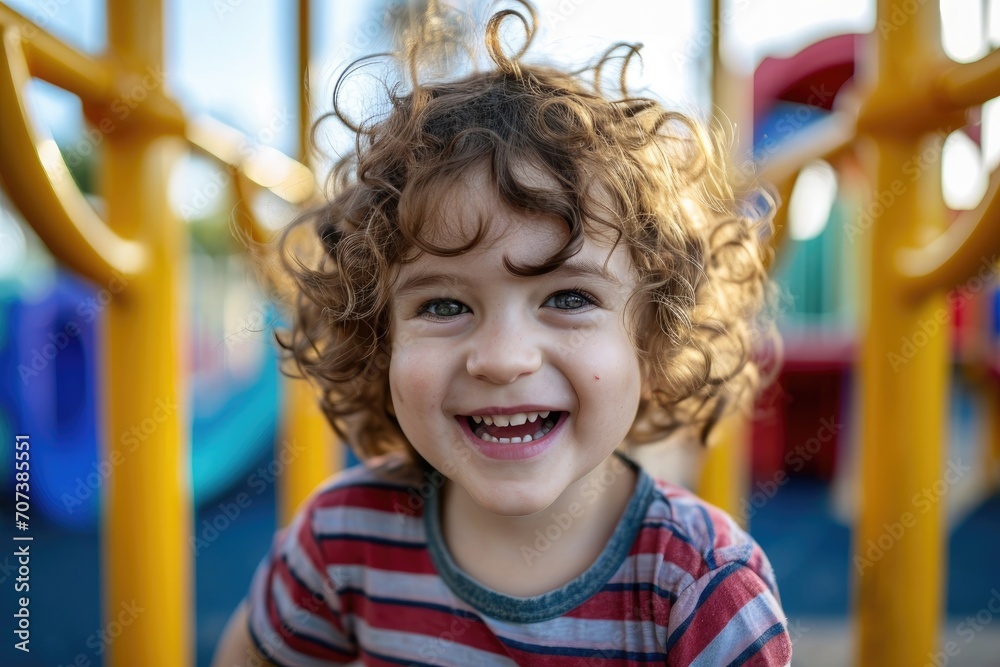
[{"x": 503, "y": 352}]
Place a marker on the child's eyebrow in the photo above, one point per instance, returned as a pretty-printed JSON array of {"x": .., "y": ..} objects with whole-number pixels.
[
  {"x": 586, "y": 268},
  {"x": 572, "y": 268},
  {"x": 424, "y": 280}
]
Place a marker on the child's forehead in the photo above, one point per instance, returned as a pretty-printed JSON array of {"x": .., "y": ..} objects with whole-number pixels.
[
  {"x": 494, "y": 238},
  {"x": 469, "y": 208},
  {"x": 472, "y": 208},
  {"x": 489, "y": 265}
]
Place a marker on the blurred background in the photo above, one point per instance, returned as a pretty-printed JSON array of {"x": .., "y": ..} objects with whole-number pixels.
[{"x": 232, "y": 64}]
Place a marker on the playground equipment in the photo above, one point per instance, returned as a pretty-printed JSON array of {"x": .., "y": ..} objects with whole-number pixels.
[
  {"x": 139, "y": 249},
  {"x": 138, "y": 252},
  {"x": 906, "y": 92}
]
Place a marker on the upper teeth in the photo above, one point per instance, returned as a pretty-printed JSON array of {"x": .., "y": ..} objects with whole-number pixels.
[{"x": 509, "y": 420}]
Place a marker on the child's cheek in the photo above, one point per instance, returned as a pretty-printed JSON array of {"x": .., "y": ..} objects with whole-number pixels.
[
  {"x": 612, "y": 365},
  {"x": 412, "y": 376}
]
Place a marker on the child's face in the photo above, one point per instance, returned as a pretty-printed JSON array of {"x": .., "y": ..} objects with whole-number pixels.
[{"x": 472, "y": 340}]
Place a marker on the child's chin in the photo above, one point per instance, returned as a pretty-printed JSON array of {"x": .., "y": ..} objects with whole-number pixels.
[{"x": 509, "y": 504}]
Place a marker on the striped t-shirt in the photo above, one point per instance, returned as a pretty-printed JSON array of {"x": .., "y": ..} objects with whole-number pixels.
[{"x": 363, "y": 573}]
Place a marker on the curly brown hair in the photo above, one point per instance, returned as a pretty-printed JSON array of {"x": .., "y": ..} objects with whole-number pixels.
[{"x": 655, "y": 178}]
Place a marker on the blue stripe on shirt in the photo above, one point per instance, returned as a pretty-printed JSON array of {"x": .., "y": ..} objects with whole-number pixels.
[
  {"x": 350, "y": 537},
  {"x": 716, "y": 581},
  {"x": 642, "y": 586},
  {"x": 462, "y": 613},
  {"x": 754, "y": 648},
  {"x": 578, "y": 652}
]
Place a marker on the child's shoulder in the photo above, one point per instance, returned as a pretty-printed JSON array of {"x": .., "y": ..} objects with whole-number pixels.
[
  {"x": 697, "y": 539},
  {"x": 695, "y": 520},
  {"x": 384, "y": 490},
  {"x": 721, "y": 588}
]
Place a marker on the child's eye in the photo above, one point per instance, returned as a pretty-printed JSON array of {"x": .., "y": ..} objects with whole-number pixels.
[
  {"x": 575, "y": 300},
  {"x": 443, "y": 309}
]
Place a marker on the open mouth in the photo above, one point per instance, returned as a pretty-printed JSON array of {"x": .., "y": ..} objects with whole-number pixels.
[{"x": 513, "y": 429}]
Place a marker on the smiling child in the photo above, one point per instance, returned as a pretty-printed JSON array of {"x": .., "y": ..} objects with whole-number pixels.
[{"x": 518, "y": 278}]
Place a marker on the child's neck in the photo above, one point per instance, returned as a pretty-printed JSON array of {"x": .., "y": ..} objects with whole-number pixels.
[{"x": 506, "y": 553}]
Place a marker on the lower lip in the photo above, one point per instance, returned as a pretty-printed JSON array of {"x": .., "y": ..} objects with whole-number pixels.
[{"x": 513, "y": 451}]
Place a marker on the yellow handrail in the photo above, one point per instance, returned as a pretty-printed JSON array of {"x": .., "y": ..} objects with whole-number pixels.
[
  {"x": 959, "y": 252},
  {"x": 137, "y": 259},
  {"x": 52, "y": 60},
  {"x": 40, "y": 184},
  {"x": 970, "y": 84}
]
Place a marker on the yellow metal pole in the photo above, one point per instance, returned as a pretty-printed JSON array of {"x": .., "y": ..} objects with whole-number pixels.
[
  {"x": 725, "y": 477},
  {"x": 899, "y": 543},
  {"x": 308, "y": 445},
  {"x": 304, "y": 52},
  {"x": 136, "y": 260},
  {"x": 914, "y": 95},
  {"x": 147, "y": 508}
]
